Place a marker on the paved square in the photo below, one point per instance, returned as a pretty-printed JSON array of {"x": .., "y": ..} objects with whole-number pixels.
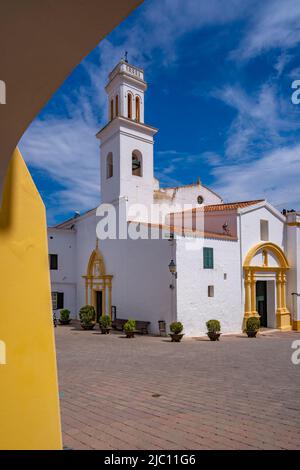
[{"x": 149, "y": 393}]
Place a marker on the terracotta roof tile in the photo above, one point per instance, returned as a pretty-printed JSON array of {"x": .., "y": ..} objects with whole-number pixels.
[
  {"x": 231, "y": 205},
  {"x": 181, "y": 230},
  {"x": 223, "y": 207}
]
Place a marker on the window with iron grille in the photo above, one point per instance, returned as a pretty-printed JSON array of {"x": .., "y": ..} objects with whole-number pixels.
[{"x": 57, "y": 300}]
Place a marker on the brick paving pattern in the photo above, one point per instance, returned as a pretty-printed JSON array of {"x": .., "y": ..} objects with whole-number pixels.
[{"x": 148, "y": 393}]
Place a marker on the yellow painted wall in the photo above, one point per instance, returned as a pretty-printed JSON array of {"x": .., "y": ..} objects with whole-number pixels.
[{"x": 29, "y": 403}]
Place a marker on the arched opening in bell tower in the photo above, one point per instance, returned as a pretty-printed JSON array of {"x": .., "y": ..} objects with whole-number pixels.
[
  {"x": 137, "y": 163},
  {"x": 109, "y": 166},
  {"x": 137, "y": 109},
  {"x": 129, "y": 105}
]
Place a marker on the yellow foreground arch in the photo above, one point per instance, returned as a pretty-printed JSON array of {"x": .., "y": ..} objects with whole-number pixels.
[
  {"x": 283, "y": 317},
  {"x": 29, "y": 405}
]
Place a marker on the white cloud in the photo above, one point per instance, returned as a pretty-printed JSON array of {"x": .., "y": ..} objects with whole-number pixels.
[
  {"x": 282, "y": 61},
  {"x": 274, "y": 176},
  {"x": 263, "y": 120},
  {"x": 273, "y": 24},
  {"x": 65, "y": 147},
  {"x": 261, "y": 158},
  {"x": 68, "y": 152},
  {"x": 295, "y": 73},
  {"x": 164, "y": 21}
]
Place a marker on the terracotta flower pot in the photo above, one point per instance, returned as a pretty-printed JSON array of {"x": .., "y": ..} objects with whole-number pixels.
[
  {"x": 176, "y": 337},
  {"x": 87, "y": 326},
  {"x": 129, "y": 334},
  {"x": 213, "y": 336},
  {"x": 105, "y": 331},
  {"x": 251, "y": 333},
  {"x": 64, "y": 322}
]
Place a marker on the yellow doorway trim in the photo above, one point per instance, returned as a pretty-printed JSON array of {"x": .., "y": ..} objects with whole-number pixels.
[
  {"x": 283, "y": 317},
  {"x": 96, "y": 279},
  {"x": 296, "y": 325},
  {"x": 267, "y": 247}
]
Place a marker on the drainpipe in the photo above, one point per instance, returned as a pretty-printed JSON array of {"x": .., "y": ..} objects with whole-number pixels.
[
  {"x": 173, "y": 285},
  {"x": 175, "y": 282}
]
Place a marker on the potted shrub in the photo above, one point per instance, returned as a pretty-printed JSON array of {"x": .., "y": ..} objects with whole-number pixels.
[
  {"x": 129, "y": 328},
  {"x": 176, "y": 328},
  {"x": 105, "y": 324},
  {"x": 87, "y": 317},
  {"x": 64, "y": 316},
  {"x": 252, "y": 326},
  {"x": 213, "y": 329}
]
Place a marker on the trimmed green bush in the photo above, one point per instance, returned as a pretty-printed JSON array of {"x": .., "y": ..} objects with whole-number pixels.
[
  {"x": 64, "y": 314},
  {"x": 252, "y": 324},
  {"x": 105, "y": 321},
  {"x": 176, "y": 327},
  {"x": 130, "y": 325},
  {"x": 213, "y": 326},
  {"x": 87, "y": 314}
]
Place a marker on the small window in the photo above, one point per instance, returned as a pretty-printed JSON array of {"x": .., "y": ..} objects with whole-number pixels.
[
  {"x": 211, "y": 291},
  {"x": 208, "y": 258},
  {"x": 137, "y": 109},
  {"x": 53, "y": 262},
  {"x": 264, "y": 230},
  {"x": 129, "y": 105},
  {"x": 57, "y": 300},
  {"x": 109, "y": 166},
  {"x": 137, "y": 163}
]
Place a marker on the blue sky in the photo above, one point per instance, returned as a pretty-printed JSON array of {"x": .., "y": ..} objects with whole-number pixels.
[{"x": 219, "y": 91}]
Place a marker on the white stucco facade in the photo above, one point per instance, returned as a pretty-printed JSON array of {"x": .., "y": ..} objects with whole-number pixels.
[
  {"x": 194, "y": 306},
  {"x": 233, "y": 260}
]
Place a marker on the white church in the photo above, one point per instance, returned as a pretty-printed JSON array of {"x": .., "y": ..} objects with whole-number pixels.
[{"x": 184, "y": 254}]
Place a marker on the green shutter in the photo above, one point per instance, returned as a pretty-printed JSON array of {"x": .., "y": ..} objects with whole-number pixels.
[{"x": 208, "y": 258}]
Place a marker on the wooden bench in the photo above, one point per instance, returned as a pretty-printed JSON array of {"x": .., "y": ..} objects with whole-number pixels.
[{"x": 141, "y": 326}]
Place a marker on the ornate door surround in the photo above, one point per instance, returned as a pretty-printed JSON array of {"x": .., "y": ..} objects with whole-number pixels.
[
  {"x": 283, "y": 316},
  {"x": 96, "y": 279}
]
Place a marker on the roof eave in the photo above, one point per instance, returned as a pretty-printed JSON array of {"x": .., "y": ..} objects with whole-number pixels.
[{"x": 272, "y": 209}]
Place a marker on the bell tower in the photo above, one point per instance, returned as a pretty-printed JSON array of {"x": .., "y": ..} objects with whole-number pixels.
[
  {"x": 125, "y": 90},
  {"x": 126, "y": 141}
]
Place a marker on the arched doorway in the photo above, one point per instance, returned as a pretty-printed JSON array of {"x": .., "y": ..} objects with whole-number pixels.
[
  {"x": 98, "y": 285},
  {"x": 264, "y": 262}
]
